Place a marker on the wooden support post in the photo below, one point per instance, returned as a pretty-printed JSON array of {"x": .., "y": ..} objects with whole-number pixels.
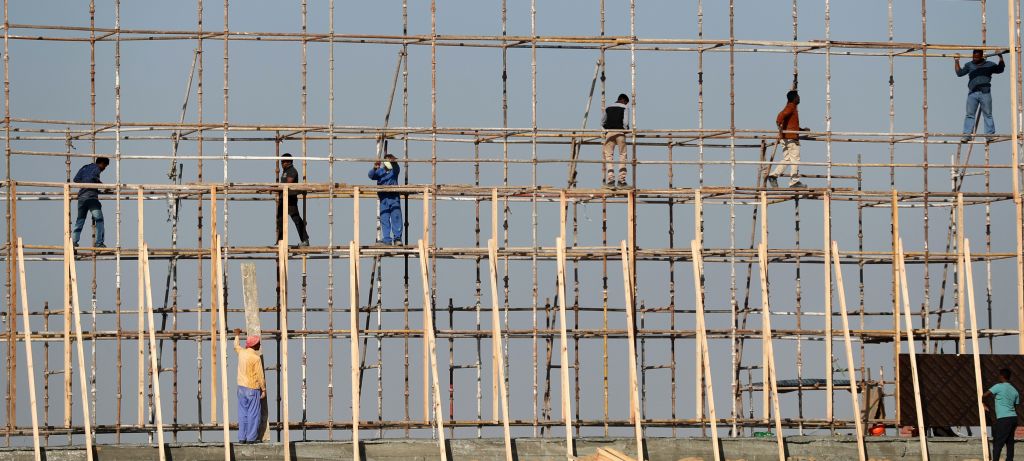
[
  {"x": 698, "y": 360},
  {"x": 854, "y": 398},
  {"x": 282, "y": 273},
  {"x": 67, "y": 314},
  {"x": 23, "y": 291},
  {"x": 634, "y": 398},
  {"x": 895, "y": 223},
  {"x": 905, "y": 298},
  {"x": 1013, "y": 22},
  {"x": 1019, "y": 202},
  {"x": 140, "y": 343},
  {"x": 960, "y": 310},
  {"x": 563, "y": 351},
  {"x": 766, "y": 367},
  {"x": 428, "y": 332},
  {"x": 702, "y": 338},
  {"x": 217, "y": 273},
  {"x": 975, "y": 349},
  {"x": 253, "y": 327},
  {"x": 214, "y": 287},
  {"x": 69, "y": 266},
  {"x": 495, "y": 377},
  {"x": 426, "y": 343},
  {"x": 497, "y": 356},
  {"x": 771, "y": 379},
  {"x": 153, "y": 354},
  {"x": 826, "y": 201},
  {"x": 353, "y": 317}
]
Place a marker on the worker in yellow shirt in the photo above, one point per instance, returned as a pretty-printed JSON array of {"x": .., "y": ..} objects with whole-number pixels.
[{"x": 252, "y": 387}]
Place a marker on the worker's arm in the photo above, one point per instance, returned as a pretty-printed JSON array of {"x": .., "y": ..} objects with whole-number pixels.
[
  {"x": 1000, "y": 67},
  {"x": 604, "y": 117},
  {"x": 376, "y": 172},
  {"x": 961, "y": 71},
  {"x": 783, "y": 117},
  {"x": 238, "y": 332}
]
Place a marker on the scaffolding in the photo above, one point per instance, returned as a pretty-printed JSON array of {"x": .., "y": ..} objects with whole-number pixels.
[{"x": 513, "y": 261}]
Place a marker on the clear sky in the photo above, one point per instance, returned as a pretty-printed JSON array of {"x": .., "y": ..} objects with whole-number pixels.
[{"x": 51, "y": 80}]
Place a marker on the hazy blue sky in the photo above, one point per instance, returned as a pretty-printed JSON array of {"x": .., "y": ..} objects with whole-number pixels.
[{"x": 50, "y": 80}]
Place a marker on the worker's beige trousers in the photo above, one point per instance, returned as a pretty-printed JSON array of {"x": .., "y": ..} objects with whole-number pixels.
[
  {"x": 612, "y": 139},
  {"x": 791, "y": 157}
]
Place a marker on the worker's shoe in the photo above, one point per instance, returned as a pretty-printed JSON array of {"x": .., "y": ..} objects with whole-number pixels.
[
  {"x": 100, "y": 245},
  {"x": 773, "y": 181},
  {"x": 965, "y": 139},
  {"x": 623, "y": 184},
  {"x": 797, "y": 185},
  {"x": 304, "y": 243},
  {"x": 383, "y": 242},
  {"x": 609, "y": 184},
  {"x": 398, "y": 243}
]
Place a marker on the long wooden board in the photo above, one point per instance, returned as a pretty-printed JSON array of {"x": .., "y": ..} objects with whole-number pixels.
[
  {"x": 850, "y": 366},
  {"x": 428, "y": 332},
  {"x": 628, "y": 286},
  {"x": 563, "y": 352},
  {"x": 497, "y": 354},
  {"x": 702, "y": 337},
  {"x": 153, "y": 354},
  {"x": 975, "y": 350},
  {"x": 23, "y": 291}
]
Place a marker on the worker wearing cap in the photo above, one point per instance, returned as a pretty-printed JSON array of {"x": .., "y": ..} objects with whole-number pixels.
[
  {"x": 979, "y": 90},
  {"x": 252, "y": 387},
  {"x": 291, "y": 176},
  {"x": 386, "y": 174},
  {"x": 1006, "y": 401}
]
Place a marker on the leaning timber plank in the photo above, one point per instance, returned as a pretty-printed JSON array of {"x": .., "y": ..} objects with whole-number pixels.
[{"x": 23, "y": 291}]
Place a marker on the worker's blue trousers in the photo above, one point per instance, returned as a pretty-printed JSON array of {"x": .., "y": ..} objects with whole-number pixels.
[
  {"x": 390, "y": 219},
  {"x": 248, "y": 414}
]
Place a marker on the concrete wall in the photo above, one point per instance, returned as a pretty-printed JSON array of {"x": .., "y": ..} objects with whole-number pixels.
[{"x": 658, "y": 449}]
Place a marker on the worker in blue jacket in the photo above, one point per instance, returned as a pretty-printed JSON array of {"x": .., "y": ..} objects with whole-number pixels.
[
  {"x": 89, "y": 200},
  {"x": 386, "y": 174}
]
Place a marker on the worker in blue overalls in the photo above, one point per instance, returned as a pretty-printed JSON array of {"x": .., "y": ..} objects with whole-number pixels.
[{"x": 386, "y": 174}]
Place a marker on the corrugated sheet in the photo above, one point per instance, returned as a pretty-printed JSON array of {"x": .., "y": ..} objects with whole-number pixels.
[{"x": 948, "y": 393}]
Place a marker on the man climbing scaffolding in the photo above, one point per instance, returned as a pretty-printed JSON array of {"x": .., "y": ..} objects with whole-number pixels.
[
  {"x": 290, "y": 176},
  {"x": 788, "y": 122},
  {"x": 615, "y": 122},
  {"x": 979, "y": 91},
  {"x": 386, "y": 174},
  {"x": 89, "y": 200}
]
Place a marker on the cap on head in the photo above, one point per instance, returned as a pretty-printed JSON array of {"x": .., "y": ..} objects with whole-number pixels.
[
  {"x": 102, "y": 161},
  {"x": 1005, "y": 373},
  {"x": 390, "y": 157},
  {"x": 623, "y": 98},
  {"x": 792, "y": 95},
  {"x": 252, "y": 341}
]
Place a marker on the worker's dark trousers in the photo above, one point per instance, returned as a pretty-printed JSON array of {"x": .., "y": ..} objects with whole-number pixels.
[
  {"x": 293, "y": 211},
  {"x": 1002, "y": 434}
]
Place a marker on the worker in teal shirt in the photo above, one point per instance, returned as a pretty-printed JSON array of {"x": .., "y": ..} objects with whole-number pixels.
[{"x": 1006, "y": 401}]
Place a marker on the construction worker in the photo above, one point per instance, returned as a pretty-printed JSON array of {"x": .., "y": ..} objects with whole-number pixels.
[
  {"x": 1006, "y": 401},
  {"x": 89, "y": 200},
  {"x": 290, "y": 176},
  {"x": 252, "y": 387},
  {"x": 979, "y": 89},
  {"x": 615, "y": 122},
  {"x": 788, "y": 122},
  {"x": 386, "y": 174}
]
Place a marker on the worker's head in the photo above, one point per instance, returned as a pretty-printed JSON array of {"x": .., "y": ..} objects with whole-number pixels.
[
  {"x": 286, "y": 162},
  {"x": 793, "y": 97},
  {"x": 390, "y": 158},
  {"x": 253, "y": 342},
  {"x": 978, "y": 56},
  {"x": 623, "y": 99},
  {"x": 1004, "y": 374},
  {"x": 102, "y": 162}
]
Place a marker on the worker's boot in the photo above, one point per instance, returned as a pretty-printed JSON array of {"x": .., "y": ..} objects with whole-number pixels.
[{"x": 773, "y": 181}]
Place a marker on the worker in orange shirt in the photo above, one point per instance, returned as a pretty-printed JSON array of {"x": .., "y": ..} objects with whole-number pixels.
[
  {"x": 252, "y": 387},
  {"x": 788, "y": 122}
]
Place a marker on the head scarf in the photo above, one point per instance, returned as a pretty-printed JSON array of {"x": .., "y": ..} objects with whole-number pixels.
[{"x": 252, "y": 341}]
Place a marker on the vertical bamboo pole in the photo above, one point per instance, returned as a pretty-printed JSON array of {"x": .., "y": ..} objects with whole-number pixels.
[
  {"x": 698, "y": 375},
  {"x": 426, "y": 343},
  {"x": 895, "y": 230},
  {"x": 282, "y": 273},
  {"x": 826, "y": 201},
  {"x": 214, "y": 286},
  {"x": 634, "y": 398},
  {"x": 983, "y": 433},
  {"x": 563, "y": 351},
  {"x": 67, "y": 314},
  {"x": 766, "y": 369},
  {"x": 69, "y": 265},
  {"x": 771, "y": 380},
  {"x": 353, "y": 317},
  {"x": 154, "y": 353},
  {"x": 1012, "y": 18},
  {"x": 854, "y": 399},
  {"x": 23, "y": 291},
  {"x": 960, "y": 271},
  {"x": 497, "y": 357},
  {"x": 217, "y": 272},
  {"x": 141, "y": 358},
  {"x": 496, "y": 374},
  {"x": 428, "y": 332},
  {"x": 905, "y": 297},
  {"x": 702, "y": 338}
]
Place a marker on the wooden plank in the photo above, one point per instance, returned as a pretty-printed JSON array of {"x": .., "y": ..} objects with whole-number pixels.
[
  {"x": 770, "y": 383},
  {"x": 975, "y": 350},
  {"x": 628, "y": 287},
  {"x": 850, "y": 365},
  {"x": 905, "y": 297},
  {"x": 765, "y": 366},
  {"x": 251, "y": 300},
  {"x": 698, "y": 359},
  {"x": 960, "y": 310},
  {"x": 282, "y": 261},
  {"x": 67, "y": 314},
  {"x": 702, "y": 336},
  {"x": 69, "y": 265},
  {"x": 140, "y": 342},
  {"x": 1020, "y": 270},
  {"x": 612, "y": 454},
  {"x": 217, "y": 273},
  {"x": 494, "y": 297},
  {"x": 563, "y": 352},
  {"x": 497, "y": 355},
  {"x": 355, "y": 214},
  {"x": 826, "y": 201},
  {"x": 23, "y": 291},
  {"x": 153, "y": 353},
  {"x": 214, "y": 287},
  {"x": 426, "y": 343},
  {"x": 428, "y": 331},
  {"x": 895, "y": 223},
  {"x": 355, "y": 369},
  {"x": 1013, "y": 23}
]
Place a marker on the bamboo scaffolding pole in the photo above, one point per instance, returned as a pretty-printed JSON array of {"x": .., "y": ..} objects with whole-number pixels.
[
  {"x": 770, "y": 384},
  {"x": 563, "y": 352},
  {"x": 698, "y": 269},
  {"x": 23, "y": 291},
  {"x": 355, "y": 370},
  {"x": 214, "y": 299},
  {"x": 282, "y": 273},
  {"x": 827, "y": 277},
  {"x": 428, "y": 331},
  {"x": 497, "y": 355},
  {"x": 67, "y": 312},
  {"x": 141, "y": 358},
  {"x": 905, "y": 298},
  {"x": 854, "y": 399},
  {"x": 69, "y": 265},
  {"x": 634, "y": 398},
  {"x": 217, "y": 272},
  {"x": 154, "y": 353},
  {"x": 975, "y": 351}
]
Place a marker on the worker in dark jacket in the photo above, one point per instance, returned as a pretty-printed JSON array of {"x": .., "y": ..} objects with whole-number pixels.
[
  {"x": 89, "y": 200},
  {"x": 291, "y": 176},
  {"x": 386, "y": 174},
  {"x": 615, "y": 122},
  {"x": 788, "y": 122},
  {"x": 979, "y": 89}
]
